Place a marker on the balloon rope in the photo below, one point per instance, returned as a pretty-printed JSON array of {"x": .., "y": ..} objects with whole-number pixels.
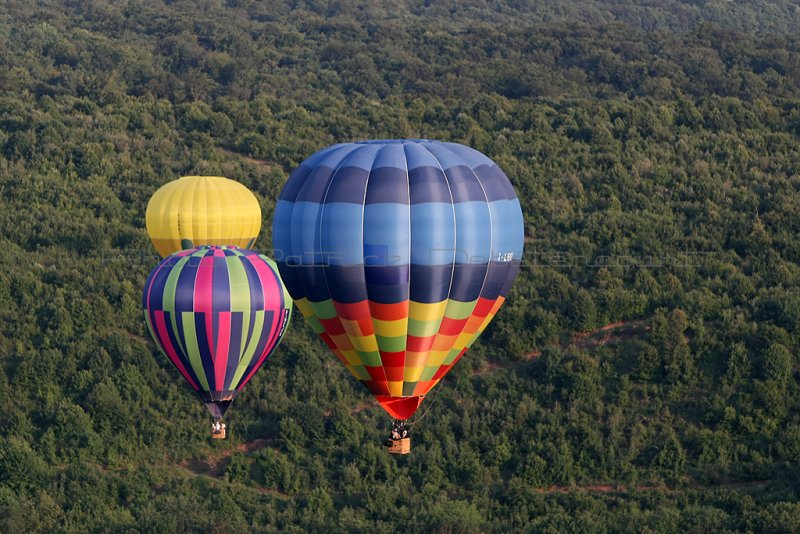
[{"x": 430, "y": 405}]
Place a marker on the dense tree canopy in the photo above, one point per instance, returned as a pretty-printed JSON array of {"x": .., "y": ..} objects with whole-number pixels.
[{"x": 642, "y": 376}]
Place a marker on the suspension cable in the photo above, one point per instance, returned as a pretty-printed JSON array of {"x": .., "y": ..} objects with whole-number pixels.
[{"x": 430, "y": 405}]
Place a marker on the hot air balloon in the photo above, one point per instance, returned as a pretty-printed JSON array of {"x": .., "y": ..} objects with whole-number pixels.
[
  {"x": 202, "y": 210},
  {"x": 217, "y": 313},
  {"x": 398, "y": 253}
]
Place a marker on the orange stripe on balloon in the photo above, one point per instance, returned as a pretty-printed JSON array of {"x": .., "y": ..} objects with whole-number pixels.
[
  {"x": 389, "y": 312},
  {"x": 444, "y": 342},
  {"x": 424, "y": 386},
  {"x": 416, "y": 359},
  {"x": 365, "y": 325}
]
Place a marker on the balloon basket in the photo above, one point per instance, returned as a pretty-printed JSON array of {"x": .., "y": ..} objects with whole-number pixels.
[
  {"x": 220, "y": 434},
  {"x": 400, "y": 446}
]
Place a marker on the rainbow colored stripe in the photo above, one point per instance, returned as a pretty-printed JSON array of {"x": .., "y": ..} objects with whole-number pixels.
[
  {"x": 217, "y": 313},
  {"x": 398, "y": 253}
]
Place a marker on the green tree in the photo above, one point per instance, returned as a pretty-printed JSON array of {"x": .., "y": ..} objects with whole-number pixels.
[{"x": 777, "y": 364}]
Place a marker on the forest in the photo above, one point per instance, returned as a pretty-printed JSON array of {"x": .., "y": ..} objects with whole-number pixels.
[{"x": 643, "y": 375}]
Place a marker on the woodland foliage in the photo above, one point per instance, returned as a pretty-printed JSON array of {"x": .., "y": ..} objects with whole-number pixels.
[{"x": 656, "y": 152}]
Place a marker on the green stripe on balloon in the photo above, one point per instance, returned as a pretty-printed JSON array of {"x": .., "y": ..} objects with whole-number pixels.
[
  {"x": 428, "y": 372},
  {"x": 249, "y": 353},
  {"x": 391, "y": 344},
  {"x": 361, "y": 372},
  {"x": 316, "y": 326},
  {"x": 237, "y": 277},
  {"x": 419, "y": 328},
  {"x": 459, "y": 310},
  {"x": 168, "y": 304},
  {"x": 371, "y": 359},
  {"x": 242, "y": 347},
  {"x": 168, "y": 300},
  {"x": 193, "y": 349},
  {"x": 408, "y": 388},
  {"x": 324, "y": 309}
]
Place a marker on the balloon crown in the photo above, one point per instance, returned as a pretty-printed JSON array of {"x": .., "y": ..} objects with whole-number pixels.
[{"x": 393, "y": 141}]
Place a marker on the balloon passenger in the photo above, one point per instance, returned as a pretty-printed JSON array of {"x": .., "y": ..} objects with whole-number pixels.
[{"x": 399, "y": 431}]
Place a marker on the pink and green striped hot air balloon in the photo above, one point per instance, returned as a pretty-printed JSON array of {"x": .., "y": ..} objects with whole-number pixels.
[{"x": 217, "y": 313}]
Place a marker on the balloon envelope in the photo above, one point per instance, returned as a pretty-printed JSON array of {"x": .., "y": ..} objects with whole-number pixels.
[
  {"x": 202, "y": 210},
  {"x": 217, "y": 313},
  {"x": 398, "y": 253}
]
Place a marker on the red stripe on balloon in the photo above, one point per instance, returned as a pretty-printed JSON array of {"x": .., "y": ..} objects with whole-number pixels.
[
  {"x": 393, "y": 359},
  {"x": 452, "y": 327},
  {"x": 420, "y": 344},
  {"x": 443, "y": 370},
  {"x": 164, "y": 341},
  {"x": 328, "y": 340},
  {"x": 377, "y": 388},
  {"x": 394, "y": 374},
  {"x": 376, "y": 373},
  {"x": 424, "y": 386},
  {"x": 353, "y": 311},
  {"x": 389, "y": 312},
  {"x": 365, "y": 325},
  {"x": 483, "y": 307},
  {"x": 223, "y": 344},
  {"x": 204, "y": 296},
  {"x": 332, "y": 326}
]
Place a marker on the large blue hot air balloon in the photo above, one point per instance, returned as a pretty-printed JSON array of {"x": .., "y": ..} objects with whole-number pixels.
[{"x": 398, "y": 253}]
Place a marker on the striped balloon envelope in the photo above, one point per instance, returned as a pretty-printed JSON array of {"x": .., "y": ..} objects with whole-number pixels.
[
  {"x": 217, "y": 313},
  {"x": 398, "y": 253}
]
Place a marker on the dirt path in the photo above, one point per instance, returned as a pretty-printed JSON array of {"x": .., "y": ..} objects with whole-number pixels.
[
  {"x": 604, "y": 328},
  {"x": 598, "y": 488},
  {"x": 361, "y": 406},
  {"x": 609, "y": 333},
  {"x": 619, "y": 488},
  {"x": 215, "y": 464},
  {"x": 252, "y": 161}
]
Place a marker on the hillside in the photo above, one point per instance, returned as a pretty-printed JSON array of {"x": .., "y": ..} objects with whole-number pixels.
[{"x": 642, "y": 375}]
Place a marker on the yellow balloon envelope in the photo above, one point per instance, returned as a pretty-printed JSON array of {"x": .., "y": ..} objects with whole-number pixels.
[{"x": 202, "y": 210}]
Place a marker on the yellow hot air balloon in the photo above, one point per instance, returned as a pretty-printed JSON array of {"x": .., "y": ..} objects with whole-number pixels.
[{"x": 202, "y": 210}]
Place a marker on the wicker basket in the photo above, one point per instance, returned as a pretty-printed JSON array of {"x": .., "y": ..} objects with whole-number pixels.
[{"x": 400, "y": 446}]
